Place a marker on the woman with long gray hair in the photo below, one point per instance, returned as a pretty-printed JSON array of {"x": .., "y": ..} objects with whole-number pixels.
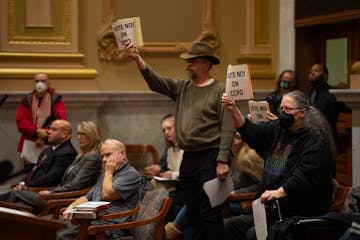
[{"x": 298, "y": 153}]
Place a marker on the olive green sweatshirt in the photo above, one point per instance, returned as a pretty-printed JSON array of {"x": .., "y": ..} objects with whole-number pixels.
[{"x": 201, "y": 122}]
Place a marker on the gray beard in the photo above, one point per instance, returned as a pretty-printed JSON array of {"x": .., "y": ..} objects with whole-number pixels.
[{"x": 191, "y": 75}]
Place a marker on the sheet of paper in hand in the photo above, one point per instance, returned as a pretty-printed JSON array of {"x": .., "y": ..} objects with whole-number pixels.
[
  {"x": 259, "y": 219},
  {"x": 217, "y": 191},
  {"x": 128, "y": 30},
  {"x": 30, "y": 151},
  {"x": 238, "y": 82},
  {"x": 258, "y": 110}
]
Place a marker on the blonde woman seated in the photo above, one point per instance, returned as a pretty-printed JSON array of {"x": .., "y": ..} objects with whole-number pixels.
[
  {"x": 246, "y": 169},
  {"x": 246, "y": 172},
  {"x": 169, "y": 166}
]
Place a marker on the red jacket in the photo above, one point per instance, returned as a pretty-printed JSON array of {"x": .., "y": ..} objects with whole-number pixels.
[{"x": 24, "y": 116}]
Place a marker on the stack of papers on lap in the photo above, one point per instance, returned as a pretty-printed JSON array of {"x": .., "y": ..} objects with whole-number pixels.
[
  {"x": 163, "y": 179},
  {"x": 93, "y": 206},
  {"x": 89, "y": 210}
]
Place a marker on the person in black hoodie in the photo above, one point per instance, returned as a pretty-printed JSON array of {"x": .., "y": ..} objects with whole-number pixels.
[
  {"x": 298, "y": 154},
  {"x": 322, "y": 99}
]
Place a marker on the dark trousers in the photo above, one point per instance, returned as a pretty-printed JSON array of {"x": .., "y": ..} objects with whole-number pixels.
[
  {"x": 196, "y": 168},
  {"x": 5, "y": 197},
  {"x": 240, "y": 228}
]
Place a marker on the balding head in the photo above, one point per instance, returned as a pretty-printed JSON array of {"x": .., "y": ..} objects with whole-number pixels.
[
  {"x": 59, "y": 132},
  {"x": 113, "y": 149}
]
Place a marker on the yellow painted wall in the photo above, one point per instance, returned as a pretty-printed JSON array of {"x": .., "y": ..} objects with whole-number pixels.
[{"x": 125, "y": 76}]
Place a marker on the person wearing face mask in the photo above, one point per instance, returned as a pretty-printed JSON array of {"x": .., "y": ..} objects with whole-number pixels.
[
  {"x": 298, "y": 152},
  {"x": 286, "y": 82},
  {"x": 33, "y": 118}
]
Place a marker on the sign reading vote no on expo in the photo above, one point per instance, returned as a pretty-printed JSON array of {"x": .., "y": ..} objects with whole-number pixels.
[{"x": 238, "y": 82}]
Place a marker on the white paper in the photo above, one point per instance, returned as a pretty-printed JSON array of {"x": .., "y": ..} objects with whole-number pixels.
[
  {"x": 259, "y": 219},
  {"x": 16, "y": 212},
  {"x": 161, "y": 179},
  {"x": 238, "y": 82},
  {"x": 91, "y": 205},
  {"x": 217, "y": 191},
  {"x": 127, "y": 30},
  {"x": 30, "y": 152}
]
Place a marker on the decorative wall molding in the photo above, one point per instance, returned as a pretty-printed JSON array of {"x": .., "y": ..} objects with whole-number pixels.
[
  {"x": 108, "y": 50},
  {"x": 31, "y": 44},
  {"x": 61, "y": 36}
]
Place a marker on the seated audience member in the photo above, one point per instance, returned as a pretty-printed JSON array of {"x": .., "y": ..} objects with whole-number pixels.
[
  {"x": 120, "y": 185},
  {"x": 82, "y": 173},
  {"x": 52, "y": 161},
  {"x": 286, "y": 82},
  {"x": 246, "y": 166},
  {"x": 298, "y": 151},
  {"x": 246, "y": 170},
  {"x": 169, "y": 166},
  {"x": 34, "y": 115}
]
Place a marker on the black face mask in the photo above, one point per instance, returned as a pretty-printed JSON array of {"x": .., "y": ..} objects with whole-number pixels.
[{"x": 286, "y": 120}]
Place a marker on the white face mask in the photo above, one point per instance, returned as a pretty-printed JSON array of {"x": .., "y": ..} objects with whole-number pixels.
[{"x": 40, "y": 87}]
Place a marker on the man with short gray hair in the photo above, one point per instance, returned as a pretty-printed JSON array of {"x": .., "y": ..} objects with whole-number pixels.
[{"x": 120, "y": 185}]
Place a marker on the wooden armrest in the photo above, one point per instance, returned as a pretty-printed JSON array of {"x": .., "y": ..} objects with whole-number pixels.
[
  {"x": 246, "y": 207},
  {"x": 33, "y": 189},
  {"x": 16, "y": 206},
  {"x": 118, "y": 226},
  {"x": 38, "y": 189},
  {"x": 69, "y": 194},
  {"x": 120, "y": 214},
  {"x": 242, "y": 196},
  {"x": 55, "y": 205},
  {"x": 238, "y": 197}
]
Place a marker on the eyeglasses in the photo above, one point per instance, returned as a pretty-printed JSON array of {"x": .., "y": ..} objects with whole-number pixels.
[{"x": 287, "y": 109}]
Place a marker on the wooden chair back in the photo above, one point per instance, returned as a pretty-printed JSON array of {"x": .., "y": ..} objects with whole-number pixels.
[
  {"x": 150, "y": 217},
  {"x": 141, "y": 155},
  {"x": 339, "y": 199}
]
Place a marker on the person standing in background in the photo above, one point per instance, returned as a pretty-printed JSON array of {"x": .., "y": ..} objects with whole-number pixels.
[
  {"x": 33, "y": 118},
  {"x": 321, "y": 98}
]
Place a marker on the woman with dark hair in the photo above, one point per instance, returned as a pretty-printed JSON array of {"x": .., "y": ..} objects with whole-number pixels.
[
  {"x": 286, "y": 82},
  {"x": 298, "y": 152}
]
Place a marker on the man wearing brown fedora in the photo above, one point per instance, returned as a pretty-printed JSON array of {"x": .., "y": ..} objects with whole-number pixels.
[{"x": 203, "y": 129}]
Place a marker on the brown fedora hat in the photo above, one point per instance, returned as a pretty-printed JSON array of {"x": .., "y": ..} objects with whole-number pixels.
[{"x": 201, "y": 49}]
